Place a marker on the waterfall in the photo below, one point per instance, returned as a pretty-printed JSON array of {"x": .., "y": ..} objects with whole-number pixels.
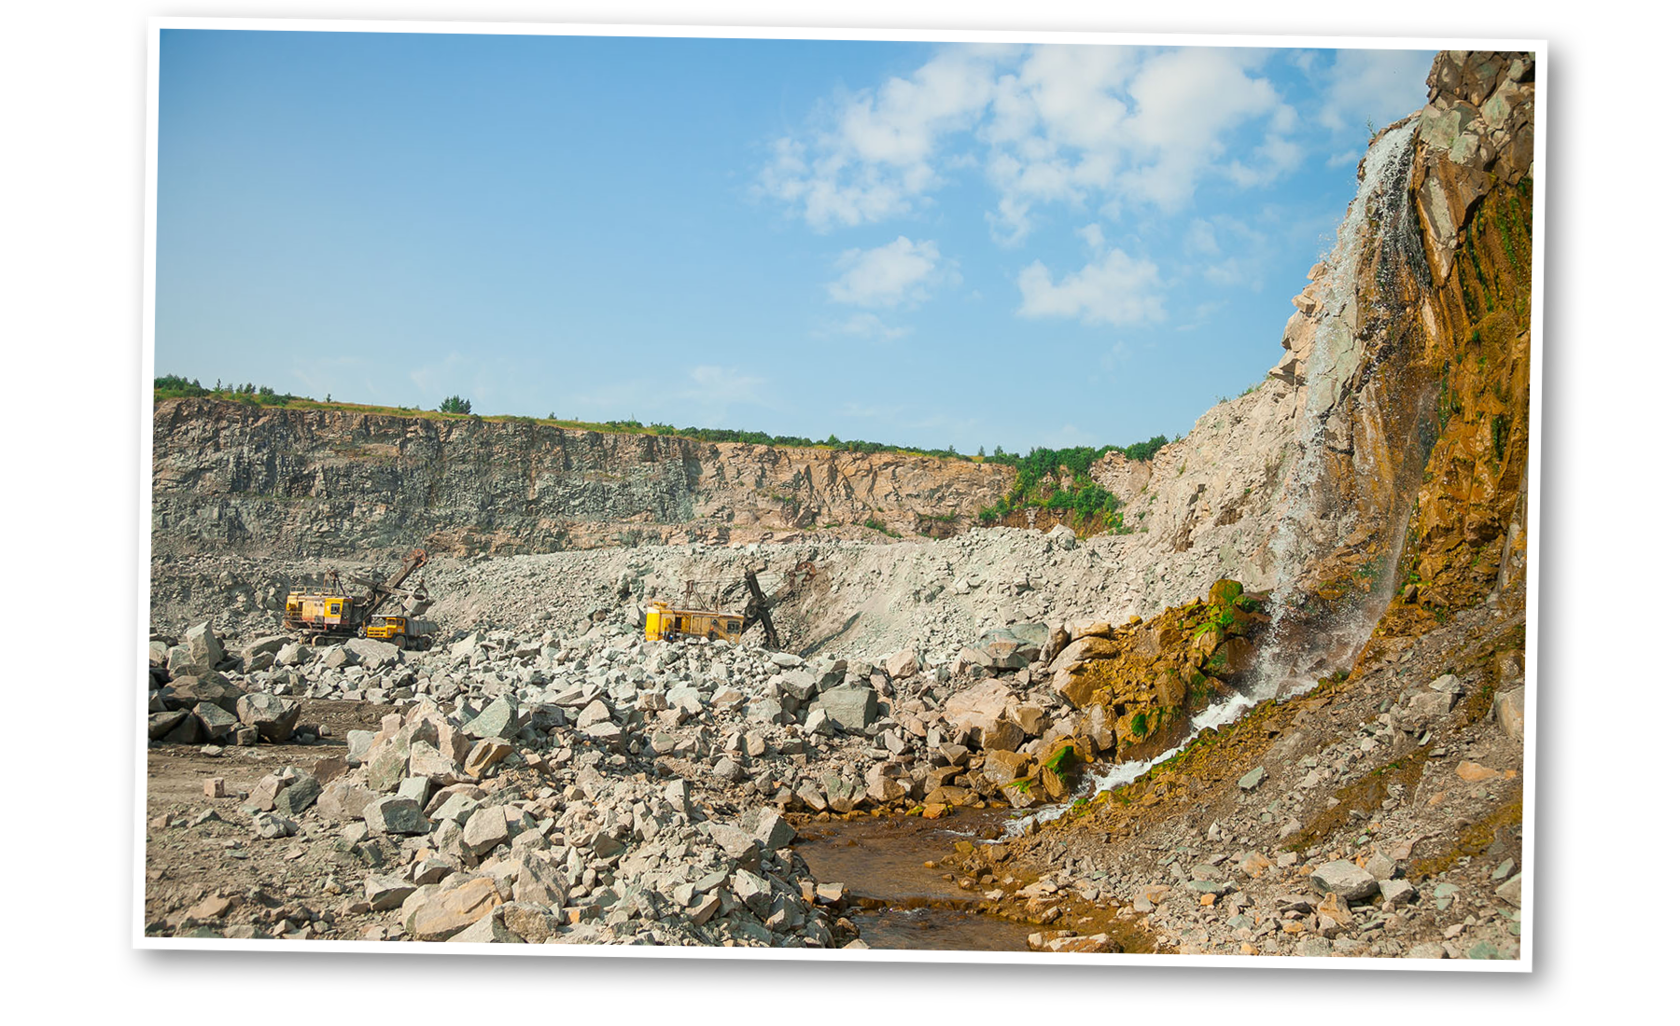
[{"x": 1304, "y": 646}]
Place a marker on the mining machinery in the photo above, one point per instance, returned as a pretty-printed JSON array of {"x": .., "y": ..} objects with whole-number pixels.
[
  {"x": 334, "y": 614},
  {"x": 700, "y": 614}
]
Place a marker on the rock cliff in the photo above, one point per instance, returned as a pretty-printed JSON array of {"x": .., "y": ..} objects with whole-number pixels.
[
  {"x": 1384, "y": 456},
  {"x": 336, "y": 482}
]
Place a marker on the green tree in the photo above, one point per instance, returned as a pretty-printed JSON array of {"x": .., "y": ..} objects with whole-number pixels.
[{"x": 455, "y": 404}]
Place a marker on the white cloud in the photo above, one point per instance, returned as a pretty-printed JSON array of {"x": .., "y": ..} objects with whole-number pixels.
[
  {"x": 1379, "y": 86},
  {"x": 1061, "y": 124},
  {"x": 1116, "y": 289},
  {"x": 1187, "y": 100},
  {"x": 875, "y": 154},
  {"x": 724, "y": 386},
  {"x": 1227, "y": 251},
  {"x": 1230, "y": 271},
  {"x": 897, "y": 274},
  {"x": 1200, "y": 240},
  {"x": 1116, "y": 353}
]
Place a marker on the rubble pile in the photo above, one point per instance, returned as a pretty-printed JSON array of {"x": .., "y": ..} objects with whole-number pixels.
[{"x": 598, "y": 788}]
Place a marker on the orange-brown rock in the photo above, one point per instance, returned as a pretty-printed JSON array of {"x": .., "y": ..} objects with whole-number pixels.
[{"x": 1152, "y": 676}]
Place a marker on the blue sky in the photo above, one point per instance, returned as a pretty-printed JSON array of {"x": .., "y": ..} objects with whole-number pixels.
[{"x": 915, "y": 243}]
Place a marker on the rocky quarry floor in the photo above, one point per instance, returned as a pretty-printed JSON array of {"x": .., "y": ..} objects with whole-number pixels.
[{"x": 543, "y": 774}]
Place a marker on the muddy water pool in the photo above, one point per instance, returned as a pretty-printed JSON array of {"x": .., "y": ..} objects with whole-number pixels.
[{"x": 899, "y": 903}]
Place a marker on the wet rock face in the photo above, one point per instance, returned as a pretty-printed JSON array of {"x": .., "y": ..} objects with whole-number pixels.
[
  {"x": 1384, "y": 454},
  {"x": 333, "y": 481},
  {"x": 1473, "y": 187}
]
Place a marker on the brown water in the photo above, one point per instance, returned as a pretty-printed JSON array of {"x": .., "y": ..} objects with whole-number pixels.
[{"x": 898, "y": 903}]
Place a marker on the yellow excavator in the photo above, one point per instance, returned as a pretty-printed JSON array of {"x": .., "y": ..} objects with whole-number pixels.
[
  {"x": 701, "y": 616},
  {"x": 332, "y": 613}
]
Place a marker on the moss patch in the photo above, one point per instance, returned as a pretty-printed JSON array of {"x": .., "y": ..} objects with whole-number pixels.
[
  {"x": 1478, "y": 837},
  {"x": 1364, "y": 796}
]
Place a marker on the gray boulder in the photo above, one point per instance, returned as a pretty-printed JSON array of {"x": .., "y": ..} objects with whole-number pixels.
[
  {"x": 1344, "y": 879},
  {"x": 271, "y": 716},
  {"x": 852, "y": 709}
]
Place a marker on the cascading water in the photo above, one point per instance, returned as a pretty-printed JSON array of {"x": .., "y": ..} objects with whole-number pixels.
[
  {"x": 1301, "y": 647},
  {"x": 1304, "y": 646}
]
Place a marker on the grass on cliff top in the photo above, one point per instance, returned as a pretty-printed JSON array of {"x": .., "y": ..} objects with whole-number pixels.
[{"x": 1035, "y": 465}]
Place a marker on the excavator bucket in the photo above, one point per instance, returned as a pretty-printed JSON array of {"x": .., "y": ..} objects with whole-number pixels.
[{"x": 758, "y": 611}]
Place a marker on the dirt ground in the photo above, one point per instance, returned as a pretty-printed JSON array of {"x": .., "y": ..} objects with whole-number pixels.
[{"x": 203, "y": 863}]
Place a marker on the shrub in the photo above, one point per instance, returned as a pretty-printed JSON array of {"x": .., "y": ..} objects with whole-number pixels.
[
  {"x": 173, "y": 386},
  {"x": 455, "y": 404}
]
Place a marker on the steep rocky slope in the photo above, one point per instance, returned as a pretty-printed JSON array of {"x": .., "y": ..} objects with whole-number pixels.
[{"x": 1386, "y": 452}]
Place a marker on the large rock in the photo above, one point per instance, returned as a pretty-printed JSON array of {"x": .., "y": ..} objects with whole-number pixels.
[
  {"x": 902, "y": 664},
  {"x": 539, "y": 881},
  {"x": 1344, "y": 879},
  {"x": 485, "y": 829},
  {"x": 217, "y": 723},
  {"x": 770, "y": 829},
  {"x": 300, "y": 795},
  {"x": 500, "y": 718},
  {"x": 979, "y": 706},
  {"x": 373, "y": 653},
  {"x": 198, "y": 653},
  {"x": 186, "y": 692},
  {"x": 1015, "y": 647},
  {"x": 272, "y": 716},
  {"x": 447, "y": 913},
  {"x": 1508, "y": 710},
  {"x": 160, "y": 724},
  {"x": 260, "y": 654},
  {"x": 852, "y": 709},
  {"x": 394, "y": 814},
  {"x": 344, "y": 800}
]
